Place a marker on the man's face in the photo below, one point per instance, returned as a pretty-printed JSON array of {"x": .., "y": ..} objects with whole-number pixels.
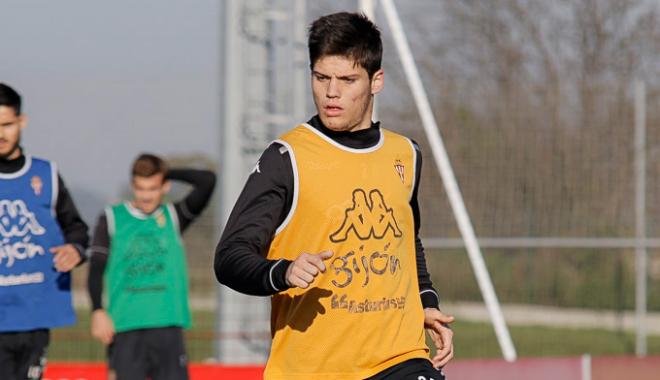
[
  {"x": 343, "y": 93},
  {"x": 148, "y": 192},
  {"x": 10, "y": 132}
]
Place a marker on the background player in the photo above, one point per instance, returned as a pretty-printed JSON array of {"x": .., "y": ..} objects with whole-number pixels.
[
  {"x": 43, "y": 238},
  {"x": 137, "y": 253}
]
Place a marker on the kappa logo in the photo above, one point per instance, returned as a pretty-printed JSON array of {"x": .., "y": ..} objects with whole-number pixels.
[
  {"x": 256, "y": 168},
  {"x": 367, "y": 218},
  {"x": 17, "y": 221},
  {"x": 17, "y": 226}
]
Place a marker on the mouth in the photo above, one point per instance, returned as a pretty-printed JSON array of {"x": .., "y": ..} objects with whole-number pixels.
[{"x": 333, "y": 110}]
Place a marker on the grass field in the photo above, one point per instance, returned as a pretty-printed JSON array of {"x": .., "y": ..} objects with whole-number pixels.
[{"x": 472, "y": 340}]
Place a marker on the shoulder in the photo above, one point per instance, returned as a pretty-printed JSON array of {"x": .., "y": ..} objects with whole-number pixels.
[
  {"x": 404, "y": 140},
  {"x": 38, "y": 162}
]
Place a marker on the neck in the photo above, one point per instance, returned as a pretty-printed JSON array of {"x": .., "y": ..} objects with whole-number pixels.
[
  {"x": 365, "y": 123},
  {"x": 14, "y": 154}
]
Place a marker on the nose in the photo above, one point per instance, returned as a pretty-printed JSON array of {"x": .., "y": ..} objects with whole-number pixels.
[{"x": 333, "y": 88}]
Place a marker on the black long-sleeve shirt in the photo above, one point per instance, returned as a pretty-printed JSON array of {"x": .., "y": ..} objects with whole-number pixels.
[
  {"x": 73, "y": 227},
  {"x": 187, "y": 210},
  {"x": 264, "y": 203}
]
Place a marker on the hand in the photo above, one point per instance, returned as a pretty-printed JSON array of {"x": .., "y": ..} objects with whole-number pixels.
[
  {"x": 305, "y": 268},
  {"x": 102, "y": 326},
  {"x": 66, "y": 257},
  {"x": 436, "y": 326}
]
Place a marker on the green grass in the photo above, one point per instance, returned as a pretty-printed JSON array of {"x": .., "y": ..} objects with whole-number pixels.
[
  {"x": 471, "y": 340},
  {"x": 477, "y": 340},
  {"x": 75, "y": 343}
]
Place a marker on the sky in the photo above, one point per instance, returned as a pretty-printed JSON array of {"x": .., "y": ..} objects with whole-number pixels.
[{"x": 104, "y": 81}]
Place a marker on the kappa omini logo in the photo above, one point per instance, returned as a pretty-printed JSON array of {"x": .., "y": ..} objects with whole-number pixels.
[
  {"x": 367, "y": 218},
  {"x": 17, "y": 226},
  {"x": 256, "y": 168},
  {"x": 16, "y": 220}
]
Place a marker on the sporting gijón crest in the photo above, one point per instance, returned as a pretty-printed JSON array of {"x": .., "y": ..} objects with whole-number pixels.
[
  {"x": 368, "y": 217},
  {"x": 400, "y": 170}
]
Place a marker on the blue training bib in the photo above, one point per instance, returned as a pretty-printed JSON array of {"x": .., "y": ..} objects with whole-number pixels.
[{"x": 33, "y": 294}]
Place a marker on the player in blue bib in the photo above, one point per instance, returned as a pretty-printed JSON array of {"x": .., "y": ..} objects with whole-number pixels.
[{"x": 42, "y": 238}]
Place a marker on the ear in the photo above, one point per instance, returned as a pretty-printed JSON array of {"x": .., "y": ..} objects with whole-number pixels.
[
  {"x": 377, "y": 81},
  {"x": 167, "y": 185},
  {"x": 22, "y": 121}
]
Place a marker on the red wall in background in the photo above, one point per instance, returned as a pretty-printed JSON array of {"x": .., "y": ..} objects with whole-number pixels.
[
  {"x": 570, "y": 368},
  {"x": 625, "y": 367},
  {"x": 97, "y": 371}
]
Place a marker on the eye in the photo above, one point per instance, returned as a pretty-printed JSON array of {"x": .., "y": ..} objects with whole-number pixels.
[
  {"x": 349, "y": 80},
  {"x": 320, "y": 78}
]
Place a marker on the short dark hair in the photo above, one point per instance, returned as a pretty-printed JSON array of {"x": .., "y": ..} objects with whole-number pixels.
[
  {"x": 147, "y": 165},
  {"x": 350, "y": 35},
  {"x": 10, "y": 98}
]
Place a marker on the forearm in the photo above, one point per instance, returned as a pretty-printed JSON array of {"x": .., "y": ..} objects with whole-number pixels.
[
  {"x": 202, "y": 182},
  {"x": 97, "y": 265},
  {"x": 427, "y": 293},
  {"x": 73, "y": 227},
  {"x": 239, "y": 268},
  {"x": 240, "y": 257},
  {"x": 99, "y": 253}
]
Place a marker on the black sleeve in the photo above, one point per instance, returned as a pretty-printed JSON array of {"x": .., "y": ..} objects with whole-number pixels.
[
  {"x": 266, "y": 199},
  {"x": 72, "y": 225},
  {"x": 428, "y": 295},
  {"x": 99, "y": 252},
  {"x": 189, "y": 208}
]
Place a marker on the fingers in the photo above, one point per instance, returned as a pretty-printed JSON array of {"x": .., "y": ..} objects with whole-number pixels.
[
  {"x": 442, "y": 358},
  {"x": 434, "y": 316},
  {"x": 66, "y": 257},
  {"x": 443, "y": 340},
  {"x": 325, "y": 254},
  {"x": 302, "y": 272},
  {"x": 444, "y": 318},
  {"x": 317, "y": 261},
  {"x": 104, "y": 335},
  {"x": 107, "y": 337},
  {"x": 102, "y": 327}
]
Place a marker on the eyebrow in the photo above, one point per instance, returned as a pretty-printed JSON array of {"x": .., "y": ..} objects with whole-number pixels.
[{"x": 349, "y": 76}]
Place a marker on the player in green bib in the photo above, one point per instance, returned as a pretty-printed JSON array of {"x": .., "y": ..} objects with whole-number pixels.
[
  {"x": 139, "y": 259},
  {"x": 146, "y": 277}
]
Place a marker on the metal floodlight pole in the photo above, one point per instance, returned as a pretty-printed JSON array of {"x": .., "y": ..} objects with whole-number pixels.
[
  {"x": 640, "y": 214},
  {"x": 449, "y": 180}
]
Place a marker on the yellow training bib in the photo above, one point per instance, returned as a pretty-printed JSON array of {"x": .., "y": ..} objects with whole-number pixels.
[{"x": 364, "y": 313}]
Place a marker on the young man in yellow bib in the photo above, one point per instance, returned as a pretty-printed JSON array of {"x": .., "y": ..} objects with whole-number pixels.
[{"x": 327, "y": 225}]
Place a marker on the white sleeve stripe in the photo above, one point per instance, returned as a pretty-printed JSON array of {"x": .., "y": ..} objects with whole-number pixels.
[
  {"x": 55, "y": 189},
  {"x": 98, "y": 249},
  {"x": 270, "y": 275},
  {"x": 430, "y": 291},
  {"x": 294, "y": 202},
  {"x": 110, "y": 218},
  {"x": 414, "y": 169},
  {"x": 175, "y": 220}
]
